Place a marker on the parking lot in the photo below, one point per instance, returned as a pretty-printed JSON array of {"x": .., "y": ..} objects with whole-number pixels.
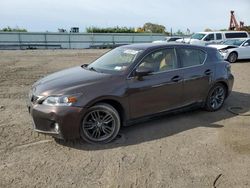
[{"x": 192, "y": 149}]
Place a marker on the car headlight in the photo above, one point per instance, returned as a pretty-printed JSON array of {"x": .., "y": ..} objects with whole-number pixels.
[
  {"x": 60, "y": 100},
  {"x": 223, "y": 51}
]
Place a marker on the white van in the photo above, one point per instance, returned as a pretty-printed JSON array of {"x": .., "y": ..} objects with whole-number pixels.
[{"x": 215, "y": 37}]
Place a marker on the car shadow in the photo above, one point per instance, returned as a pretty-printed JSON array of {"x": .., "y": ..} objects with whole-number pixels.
[
  {"x": 243, "y": 61},
  {"x": 168, "y": 125}
]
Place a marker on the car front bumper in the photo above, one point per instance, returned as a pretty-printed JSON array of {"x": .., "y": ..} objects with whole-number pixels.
[
  {"x": 224, "y": 55},
  {"x": 61, "y": 122}
]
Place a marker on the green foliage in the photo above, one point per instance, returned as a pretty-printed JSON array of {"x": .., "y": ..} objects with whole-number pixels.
[
  {"x": 208, "y": 30},
  {"x": 179, "y": 32},
  {"x": 147, "y": 28},
  {"x": 223, "y": 29},
  {"x": 110, "y": 30},
  {"x": 17, "y": 29},
  {"x": 153, "y": 28},
  {"x": 246, "y": 28}
]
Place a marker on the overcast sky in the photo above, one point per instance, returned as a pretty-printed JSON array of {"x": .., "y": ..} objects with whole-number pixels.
[{"x": 49, "y": 15}]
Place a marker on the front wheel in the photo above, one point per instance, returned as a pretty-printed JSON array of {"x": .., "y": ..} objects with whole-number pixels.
[
  {"x": 215, "y": 98},
  {"x": 101, "y": 124},
  {"x": 232, "y": 58}
]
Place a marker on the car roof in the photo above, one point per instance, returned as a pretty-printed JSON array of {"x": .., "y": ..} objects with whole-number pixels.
[
  {"x": 151, "y": 46},
  {"x": 209, "y": 32}
]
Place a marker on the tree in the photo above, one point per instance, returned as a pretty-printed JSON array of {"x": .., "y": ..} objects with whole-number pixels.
[
  {"x": 208, "y": 30},
  {"x": 110, "y": 30},
  {"x": 223, "y": 29},
  {"x": 179, "y": 32},
  {"x": 17, "y": 29},
  {"x": 246, "y": 28},
  {"x": 153, "y": 28}
]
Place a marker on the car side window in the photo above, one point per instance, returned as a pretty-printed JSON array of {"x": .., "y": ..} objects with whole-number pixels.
[
  {"x": 159, "y": 61},
  {"x": 218, "y": 36},
  {"x": 247, "y": 43},
  {"x": 191, "y": 57},
  {"x": 209, "y": 37}
]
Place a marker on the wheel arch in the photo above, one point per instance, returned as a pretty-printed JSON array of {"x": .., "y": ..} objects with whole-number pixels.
[
  {"x": 115, "y": 104},
  {"x": 233, "y": 51},
  {"x": 224, "y": 83}
]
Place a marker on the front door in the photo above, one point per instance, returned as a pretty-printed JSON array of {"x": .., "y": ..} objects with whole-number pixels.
[
  {"x": 244, "y": 50},
  {"x": 160, "y": 90}
]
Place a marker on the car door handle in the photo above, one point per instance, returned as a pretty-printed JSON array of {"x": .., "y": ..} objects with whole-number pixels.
[
  {"x": 208, "y": 72},
  {"x": 176, "y": 78}
]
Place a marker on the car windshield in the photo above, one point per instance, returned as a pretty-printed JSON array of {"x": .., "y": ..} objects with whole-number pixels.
[
  {"x": 235, "y": 42},
  {"x": 198, "y": 36},
  {"x": 116, "y": 60}
]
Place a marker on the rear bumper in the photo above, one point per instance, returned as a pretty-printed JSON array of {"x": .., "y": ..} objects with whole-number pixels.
[{"x": 62, "y": 122}]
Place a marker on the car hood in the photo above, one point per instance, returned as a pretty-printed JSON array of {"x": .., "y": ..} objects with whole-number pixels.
[
  {"x": 222, "y": 46},
  {"x": 67, "y": 81},
  {"x": 197, "y": 42},
  {"x": 183, "y": 40}
]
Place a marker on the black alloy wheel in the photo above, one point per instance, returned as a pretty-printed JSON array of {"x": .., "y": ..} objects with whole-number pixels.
[
  {"x": 216, "y": 97},
  {"x": 101, "y": 124}
]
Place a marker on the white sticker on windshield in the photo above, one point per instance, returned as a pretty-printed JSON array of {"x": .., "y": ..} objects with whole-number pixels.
[{"x": 129, "y": 51}]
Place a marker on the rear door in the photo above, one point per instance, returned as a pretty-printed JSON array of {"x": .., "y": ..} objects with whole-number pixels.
[
  {"x": 218, "y": 38},
  {"x": 210, "y": 39},
  {"x": 196, "y": 74}
]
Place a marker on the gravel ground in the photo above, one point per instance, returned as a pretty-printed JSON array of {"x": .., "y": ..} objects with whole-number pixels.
[{"x": 190, "y": 149}]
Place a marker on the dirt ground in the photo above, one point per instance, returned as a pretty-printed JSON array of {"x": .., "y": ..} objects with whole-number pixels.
[{"x": 185, "y": 150}]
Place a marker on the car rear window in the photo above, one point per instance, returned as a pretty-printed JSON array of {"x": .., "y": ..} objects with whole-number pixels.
[
  {"x": 236, "y": 35},
  {"x": 191, "y": 57}
]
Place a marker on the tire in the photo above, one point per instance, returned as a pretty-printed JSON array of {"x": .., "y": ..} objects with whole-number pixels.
[
  {"x": 216, "y": 97},
  {"x": 232, "y": 58},
  {"x": 100, "y": 124}
]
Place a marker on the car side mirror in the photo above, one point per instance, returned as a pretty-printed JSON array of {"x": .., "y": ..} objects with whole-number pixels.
[{"x": 142, "y": 71}]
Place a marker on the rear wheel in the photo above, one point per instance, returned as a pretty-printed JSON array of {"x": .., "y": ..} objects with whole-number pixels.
[
  {"x": 232, "y": 58},
  {"x": 216, "y": 97},
  {"x": 101, "y": 124}
]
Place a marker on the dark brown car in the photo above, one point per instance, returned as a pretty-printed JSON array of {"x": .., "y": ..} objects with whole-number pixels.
[{"x": 128, "y": 84}]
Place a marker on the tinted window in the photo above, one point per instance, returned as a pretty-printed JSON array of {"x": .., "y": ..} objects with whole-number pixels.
[
  {"x": 191, "y": 57},
  {"x": 161, "y": 60},
  {"x": 198, "y": 36},
  {"x": 235, "y": 42},
  {"x": 236, "y": 35},
  {"x": 247, "y": 43},
  {"x": 173, "y": 39},
  {"x": 209, "y": 37},
  {"x": 218, "y": 36}
]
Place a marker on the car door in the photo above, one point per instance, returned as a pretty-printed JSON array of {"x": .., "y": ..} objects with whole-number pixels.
[
  {"x": 244, "y": 50},
  {"x": 218, "y": 38},
  {"x": 209, "y": 39},
  {"x": 158, "y": 91},
  {"x": 196, "y": 74}
]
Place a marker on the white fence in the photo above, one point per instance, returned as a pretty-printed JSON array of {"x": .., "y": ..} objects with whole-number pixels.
[{"x": 45, "y": 40}]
